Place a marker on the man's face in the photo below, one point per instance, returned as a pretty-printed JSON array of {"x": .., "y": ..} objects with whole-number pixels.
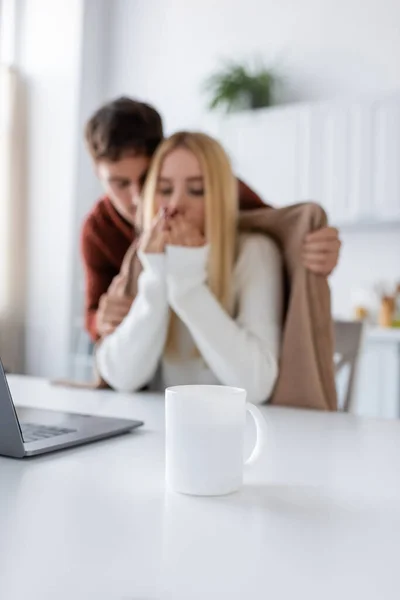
[{"x": 123, "y": 181}]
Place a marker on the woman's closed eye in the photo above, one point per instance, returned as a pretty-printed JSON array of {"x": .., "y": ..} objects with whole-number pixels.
[
  {"x": 191, "y": 191},
  {"x": 165, "y": 191},
  {"x": 196, "y": 191}
]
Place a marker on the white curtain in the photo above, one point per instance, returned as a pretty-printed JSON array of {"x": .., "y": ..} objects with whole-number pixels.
[{"x": 12, "y": 220}]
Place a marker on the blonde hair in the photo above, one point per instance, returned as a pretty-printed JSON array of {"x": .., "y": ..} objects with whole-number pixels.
[{"x": 221, "y": 207}]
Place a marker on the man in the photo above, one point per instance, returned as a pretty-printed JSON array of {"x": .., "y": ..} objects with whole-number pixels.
[{"x": 121, "y": 138}]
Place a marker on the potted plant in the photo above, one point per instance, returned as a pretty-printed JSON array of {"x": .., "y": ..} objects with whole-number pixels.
[{"x": 237, "y": 87}]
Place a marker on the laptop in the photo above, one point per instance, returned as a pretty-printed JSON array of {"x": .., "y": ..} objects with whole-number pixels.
[{"x": 30, "y": 431}]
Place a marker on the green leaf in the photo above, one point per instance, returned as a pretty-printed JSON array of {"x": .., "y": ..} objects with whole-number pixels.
[{"x": 234, "y": 82}]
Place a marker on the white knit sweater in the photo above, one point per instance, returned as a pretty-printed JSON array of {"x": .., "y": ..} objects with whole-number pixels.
[{"x": 241, "y": 352}]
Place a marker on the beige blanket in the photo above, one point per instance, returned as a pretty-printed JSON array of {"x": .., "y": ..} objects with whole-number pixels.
[{"x": 306, "y": 375}]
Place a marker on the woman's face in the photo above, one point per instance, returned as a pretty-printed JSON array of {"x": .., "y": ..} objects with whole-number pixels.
[{"x": 180, "y": 187}]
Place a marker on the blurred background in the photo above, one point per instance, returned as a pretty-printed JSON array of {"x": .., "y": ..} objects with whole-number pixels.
[{"x": 304, "y": 94}]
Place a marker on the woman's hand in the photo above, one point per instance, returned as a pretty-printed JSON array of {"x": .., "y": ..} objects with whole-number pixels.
[
  {"x": 183, "y": 233},
  {"x": 153, "y": 241},
  {"x": 321, "y": 251}
]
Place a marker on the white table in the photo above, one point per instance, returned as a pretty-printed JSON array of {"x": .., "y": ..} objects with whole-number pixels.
[{"x": 319, "y": 518}]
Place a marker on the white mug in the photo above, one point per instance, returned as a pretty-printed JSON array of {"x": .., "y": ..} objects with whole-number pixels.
[{"x": 205, "y": 427}]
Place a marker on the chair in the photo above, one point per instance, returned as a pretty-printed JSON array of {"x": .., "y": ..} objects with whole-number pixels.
[{"x": 348, "y": 340}]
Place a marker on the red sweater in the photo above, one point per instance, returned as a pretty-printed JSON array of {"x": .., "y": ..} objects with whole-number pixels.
[{"x": 106, "y": 237}]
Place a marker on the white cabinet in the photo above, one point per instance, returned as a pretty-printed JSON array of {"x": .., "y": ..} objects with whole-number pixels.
[
  {"x": 378, "y": 381},
  {"x": 343, "y": 155},
  {"x": 263, "y": 147}
]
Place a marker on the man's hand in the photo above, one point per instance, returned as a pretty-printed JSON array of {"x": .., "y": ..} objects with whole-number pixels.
[
  {"x": 321, "y": 251},
  {"x": 111, "y": 312},
  {"x": 183, "y": 233}
]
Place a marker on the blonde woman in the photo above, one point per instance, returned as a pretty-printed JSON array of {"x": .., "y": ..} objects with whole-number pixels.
[{"x": 209, "y": 303}]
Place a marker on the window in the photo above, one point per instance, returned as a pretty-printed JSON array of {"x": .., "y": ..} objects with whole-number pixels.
[{"x": 8, "y": 15}]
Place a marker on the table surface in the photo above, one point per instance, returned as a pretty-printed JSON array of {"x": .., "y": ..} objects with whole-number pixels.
[{"x": 317, "y": 518}]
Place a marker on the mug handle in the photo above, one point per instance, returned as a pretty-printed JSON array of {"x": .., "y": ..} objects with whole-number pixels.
[{"x": 261, "y": 434}]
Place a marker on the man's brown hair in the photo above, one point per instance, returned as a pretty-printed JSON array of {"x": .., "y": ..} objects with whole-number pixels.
[{"x": 123, "y": 126}]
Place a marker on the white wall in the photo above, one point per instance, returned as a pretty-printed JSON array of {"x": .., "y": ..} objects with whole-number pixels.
[
  {"x": 93, "y": 76},
  {"x": 369, "y": 257},
  {"x": 161, "y": 51}
]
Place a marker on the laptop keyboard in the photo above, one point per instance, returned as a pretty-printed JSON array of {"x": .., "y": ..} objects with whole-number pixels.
[{"x": 31, "y": 432}]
